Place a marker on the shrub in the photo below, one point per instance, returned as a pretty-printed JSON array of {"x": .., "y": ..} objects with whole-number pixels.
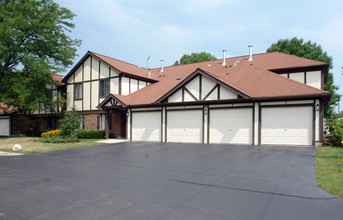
[
  {"x": 70, "y": 122},
  {"x": 59, "y": 139},
  {"x": 51, "y": 133},
  {"x": 91, "y": 134},
  {"x": 336, "y": 130}
]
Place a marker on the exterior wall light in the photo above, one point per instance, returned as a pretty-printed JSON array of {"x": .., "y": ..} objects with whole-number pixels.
[
  {"x": 317, "y": 107},
  {"x": 205, "y": 111},
  {"x": 127, "y": 114}
]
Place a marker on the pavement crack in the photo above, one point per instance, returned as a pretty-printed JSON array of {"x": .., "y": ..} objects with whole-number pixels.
[{"x": 250, "y": 190}]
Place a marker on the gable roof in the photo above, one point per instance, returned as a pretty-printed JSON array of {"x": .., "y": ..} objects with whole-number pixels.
[
  {"x": 121, "y": 66},
  {"x": 254, "y": 79}
]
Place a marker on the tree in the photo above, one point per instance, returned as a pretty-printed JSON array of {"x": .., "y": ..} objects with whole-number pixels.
[
  {"x": 313, "y": 51},
  {"x": 195, "y": 58},
  {"x": 33, "y": 45},
  {"x": 70, "y": 122}
]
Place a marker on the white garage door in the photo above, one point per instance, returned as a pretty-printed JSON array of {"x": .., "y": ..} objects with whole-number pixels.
[
  {"x": 287, "y": 125},
  {"x": 146, "y": 126},
  {"x": 4, "y": 127},
  {"x": 231, "y": 126},
  {"x": 184, "y": 126}
]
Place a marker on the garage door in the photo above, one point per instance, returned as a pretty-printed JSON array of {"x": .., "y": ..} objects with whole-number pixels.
[
  {"x": 184, "y": 126},
  {"x": 4, "y": 127},
  {"x": 146, "y": 126},
  {"x": 231, "y": 126},
  {"x": 287, "y": 125}
]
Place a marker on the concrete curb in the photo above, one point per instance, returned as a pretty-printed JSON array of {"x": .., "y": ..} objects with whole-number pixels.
[{"x": 8, "y": 154}]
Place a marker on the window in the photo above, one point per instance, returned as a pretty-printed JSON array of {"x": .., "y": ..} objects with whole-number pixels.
[
  {"x": 104, "y": 87},
  {"x": 78, "y": 91},
  {"x": 103, "y": 121}
]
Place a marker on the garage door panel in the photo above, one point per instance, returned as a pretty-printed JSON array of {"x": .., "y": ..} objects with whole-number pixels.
[
  {"x": 184, "y": 126},
  {"x": 232, "y": 126},
  {"x": 287, "y": 125},
  {"x": 4, "y": 127},
  {"x": 146, "y": 126}
]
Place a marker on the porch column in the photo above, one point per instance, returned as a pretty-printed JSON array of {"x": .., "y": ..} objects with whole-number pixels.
[{"x": 107, "y": 124}]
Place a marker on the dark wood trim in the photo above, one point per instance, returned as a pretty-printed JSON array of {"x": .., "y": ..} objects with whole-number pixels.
[
  {"x": 120, "y": 81},
  {"x": 203, "y": 123},
  {"x": 183, "y": 94},
  {"x": 129, "y": 86},
  {"x": 208, "y": 125},
  {"x": 230, "y": 107},
  {"x": 300, "y": 69},
  {"x": 131, "y": 125},
  {"x": 184, "y": 109},
  {"x": 153, "y": 110},
  {"x": 218, "y": 92},
  {"x": 288, "y": 75},
  {"x": 259, "y": 124},
  {"x": 162, "y": 125},
  {"x": 166, "y": 126},
  {"x": 192, "y": 76},
  {"x": 138, "y": 85},
  {"x": 305, "y": 77},
  {"x": 189, "y": 92},
  {"x": 322, "y": 79},
  {"x": 99, "y": 69},
  {"x": 90, "y": 77},
  {"x": 87, "y": 112},
  {"x": 200, "y": 86},
  {"x": 314, "y": 123},
  {"x": 253, "y": 124},
  {"x": 107, "y": 126},
  {"x": 95, "y": 80},
  {"x": 74, "y": 90},
  {"x": 321, "y": 120},
  {"x": 210, "y": 92},
  {"x": 83, "y": 86}
]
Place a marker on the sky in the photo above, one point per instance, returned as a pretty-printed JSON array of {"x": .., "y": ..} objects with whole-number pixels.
[{"x": 133, "y": 30}]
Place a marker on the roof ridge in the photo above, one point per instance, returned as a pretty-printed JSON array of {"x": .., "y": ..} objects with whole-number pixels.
[{"x": 95, "y": 53}]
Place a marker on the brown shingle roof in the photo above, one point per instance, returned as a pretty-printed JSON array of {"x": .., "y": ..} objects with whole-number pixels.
[
  {"x": 251, "y": 78},
  {"x": 4, "y": 109}
]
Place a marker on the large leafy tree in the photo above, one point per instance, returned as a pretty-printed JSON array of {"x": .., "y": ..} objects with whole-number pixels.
[
  {"x": 313, "y": 51},
  {"x": 195, "y": 58},
  {"x": 33, "y": 45}
]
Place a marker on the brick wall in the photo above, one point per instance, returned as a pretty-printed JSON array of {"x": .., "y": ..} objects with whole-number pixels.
[{"x": 91, "y": 122}]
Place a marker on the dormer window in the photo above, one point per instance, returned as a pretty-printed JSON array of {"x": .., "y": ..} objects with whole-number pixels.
[{"x": 104, "y": 87}]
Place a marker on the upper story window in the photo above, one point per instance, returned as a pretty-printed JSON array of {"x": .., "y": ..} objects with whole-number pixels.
[
  {"x": 104, "y": 87},
  {"x": 78, "y": 91}
]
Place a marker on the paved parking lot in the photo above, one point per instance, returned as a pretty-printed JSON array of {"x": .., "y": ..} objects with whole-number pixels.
[{"x": 165, "y": 181}]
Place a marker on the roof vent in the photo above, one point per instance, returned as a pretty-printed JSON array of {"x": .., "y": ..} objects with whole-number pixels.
[
  {"x": 149, "y": 74},
  {"x": 178, "y": 78},
  {"x": 162, "y": 62},
  {"x": 236, "y": 63},
  {"x": 250, "y": 52},
  {"x": 224, "y": 58},
  {"x": 209, "y": 65}
]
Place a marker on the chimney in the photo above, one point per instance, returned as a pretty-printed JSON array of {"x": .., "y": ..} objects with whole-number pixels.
[
  {"x": 224, "y": 58},
  {"x": 250, "y": 52},
  {"x": 162, "y": 62}
]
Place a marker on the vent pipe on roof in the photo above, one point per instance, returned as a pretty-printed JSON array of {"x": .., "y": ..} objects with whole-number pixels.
[
  {"x": 224, "y": 58},
  {"x": 149, "y": 73},
  {"x": 250, "y": 52},
  {"x": 162, "y": 62}
]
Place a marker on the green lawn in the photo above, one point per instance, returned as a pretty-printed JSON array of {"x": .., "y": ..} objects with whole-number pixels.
[
  {"x": 32, "y": 145},
  {"x": 329, "y": 169}
]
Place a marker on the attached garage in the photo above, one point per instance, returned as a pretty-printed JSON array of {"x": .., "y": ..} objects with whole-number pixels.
[
  {"x": 231, "y": 126},
  {"x": 287, "y": 125},
  {"x": 146, "y": 126},
  {"x": 5, "y": 126},
  {"x": 185, "y": 126}
]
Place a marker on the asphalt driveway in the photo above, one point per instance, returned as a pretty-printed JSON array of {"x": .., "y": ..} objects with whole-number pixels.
[{"x": 165, "y": 181}]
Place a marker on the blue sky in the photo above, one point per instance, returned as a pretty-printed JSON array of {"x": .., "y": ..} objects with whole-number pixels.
[{"x": 130, "y": 30}]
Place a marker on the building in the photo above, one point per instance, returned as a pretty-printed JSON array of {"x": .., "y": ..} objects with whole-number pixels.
[
  {"x": 269, "y": 98},
  {"x": 33, "y": 123}
]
